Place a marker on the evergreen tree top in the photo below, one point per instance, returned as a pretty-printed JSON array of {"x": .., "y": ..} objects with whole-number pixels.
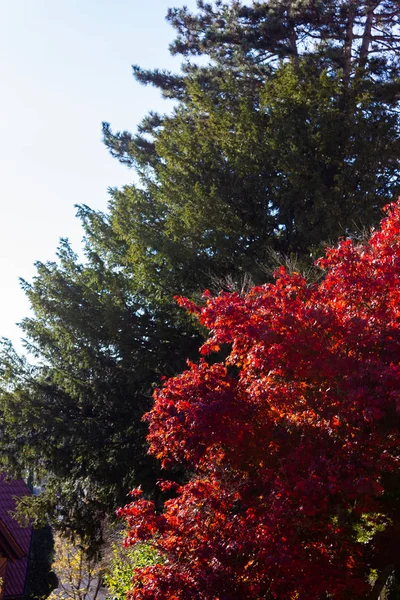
[{"x": 252, "y": 39}]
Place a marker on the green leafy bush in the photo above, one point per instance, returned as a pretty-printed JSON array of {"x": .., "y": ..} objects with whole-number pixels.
[{"x": 118, "y": 580}]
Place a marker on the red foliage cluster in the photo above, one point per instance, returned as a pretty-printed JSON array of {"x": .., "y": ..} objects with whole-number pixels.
[{"x": 293, "y": 439}]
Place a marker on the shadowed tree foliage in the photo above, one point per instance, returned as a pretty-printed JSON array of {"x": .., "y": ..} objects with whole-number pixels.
[
  {"x": 74, "y": 417},
  {"x": 41, "y": 579}
]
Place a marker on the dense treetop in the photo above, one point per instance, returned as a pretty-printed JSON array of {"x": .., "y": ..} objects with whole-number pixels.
[
  {"x": 287, "y": 130},
  {"x": 252, "y": 39}
]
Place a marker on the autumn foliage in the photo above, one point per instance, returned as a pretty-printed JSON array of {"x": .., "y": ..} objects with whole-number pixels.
[{"x": 292, "y": 439}]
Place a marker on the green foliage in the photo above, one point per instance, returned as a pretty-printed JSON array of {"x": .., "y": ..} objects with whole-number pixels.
[
  {"x": 250, "y": 39},
  {"x": 368, "y": 526},
  {"x": 74, "y": 417},
  {"x": 231, "y": 176},
  {"x": 331, "y": 150},
  {"x": 123, "y": 562}
]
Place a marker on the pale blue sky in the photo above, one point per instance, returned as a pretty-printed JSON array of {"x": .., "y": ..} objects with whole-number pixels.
[{"x": 65, "y": 66}]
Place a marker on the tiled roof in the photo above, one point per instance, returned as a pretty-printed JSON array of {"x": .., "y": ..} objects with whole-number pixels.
[
  {"x": 9, "y": 547},
  {"x": 17, "y": 571}
]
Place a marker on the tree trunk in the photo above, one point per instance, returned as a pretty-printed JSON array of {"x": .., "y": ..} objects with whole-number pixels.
[
  {"x": 348, "y": 44},
  {"x": 293, "y": 44},
  {"x": 380, "y": 583},
  {"x": 367, "y": 35}
]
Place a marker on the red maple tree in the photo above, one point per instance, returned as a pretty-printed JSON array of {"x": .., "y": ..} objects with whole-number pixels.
[{"x": 292, "y": 439}]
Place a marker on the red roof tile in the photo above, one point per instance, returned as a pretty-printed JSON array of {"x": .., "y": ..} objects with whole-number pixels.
[
  {"x": 17, "y": 571},
  {"x": 9, "y": 546}
]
